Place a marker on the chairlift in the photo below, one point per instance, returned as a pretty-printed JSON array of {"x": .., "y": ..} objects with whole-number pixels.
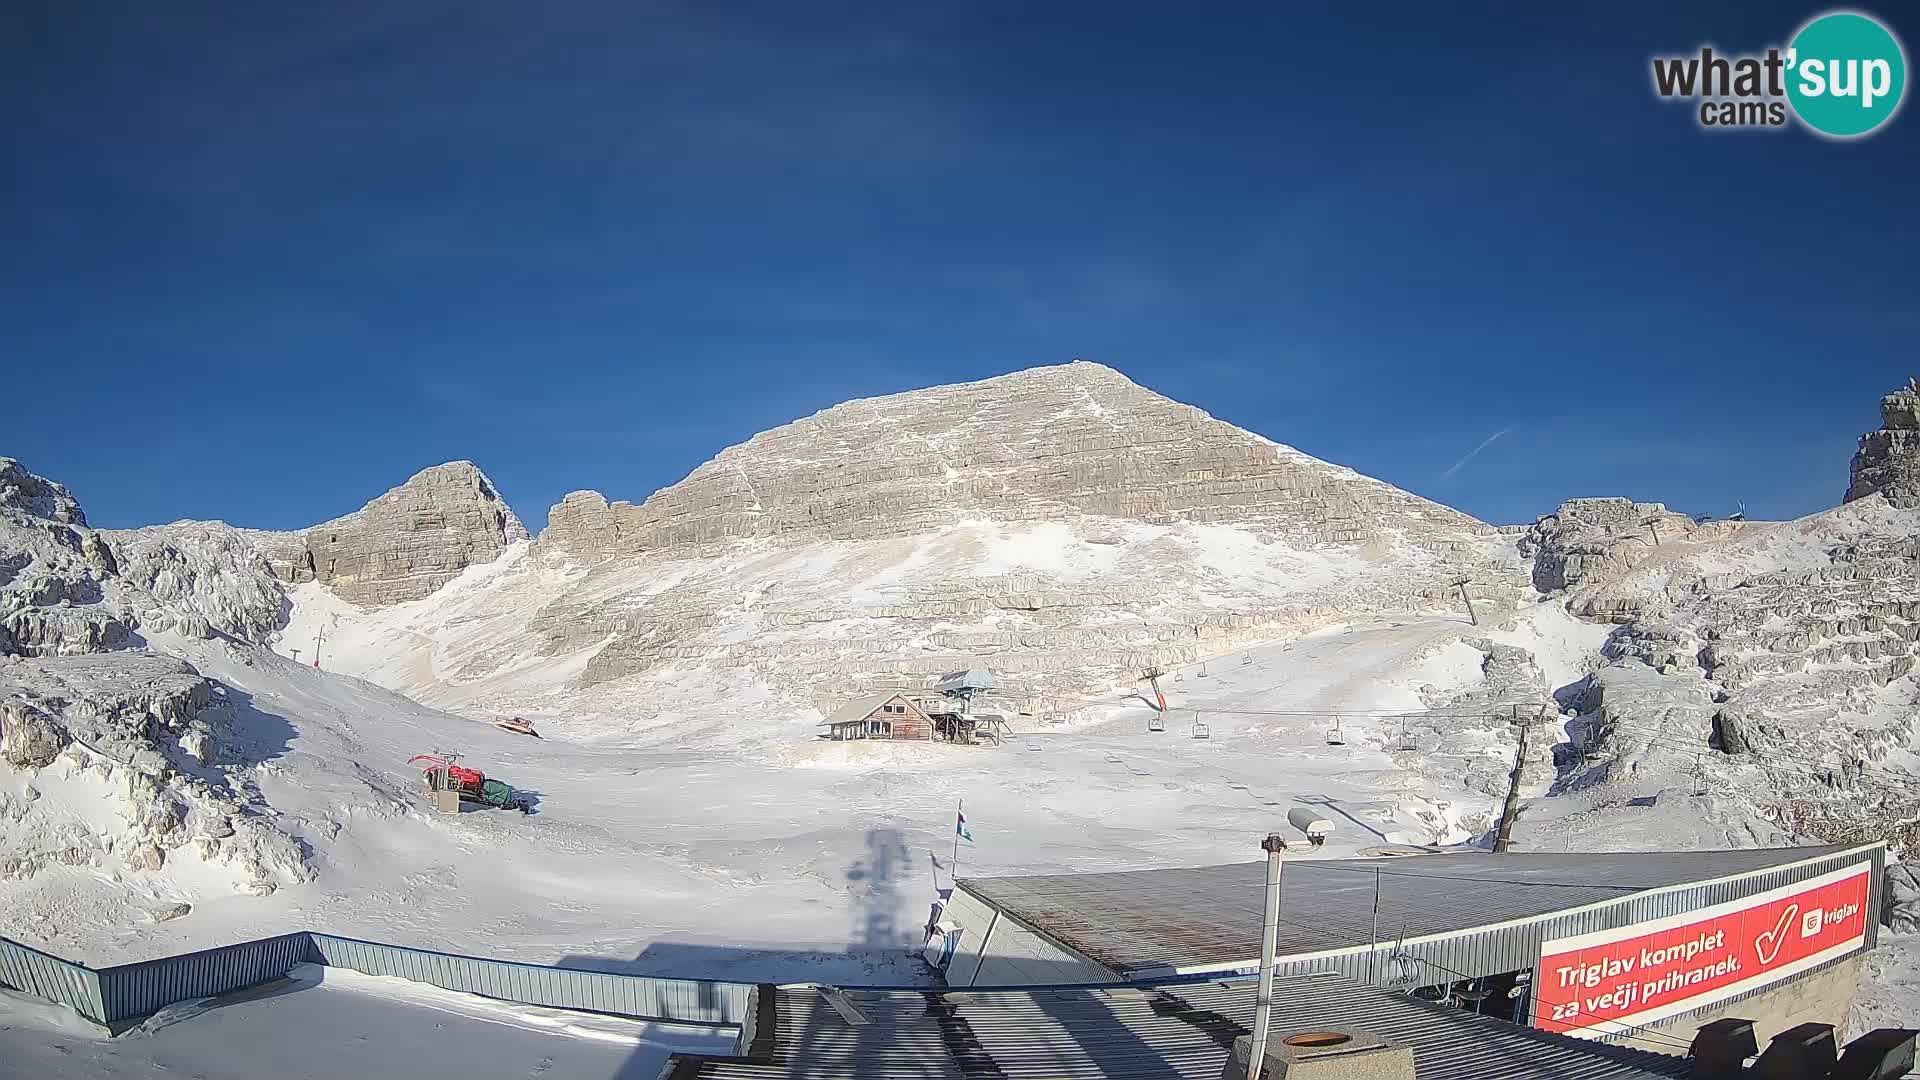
[
  {"x": 1033, "y": 744},
  {"x": 1200, "y": 730},
  {"x": 1157, "y": 722},
  {"x": 1336, "y": 737},
  {"x": 1179, "y": 677},
  {"x": 1203, "y": 672},
  {"x": 1406, "y": 740}
]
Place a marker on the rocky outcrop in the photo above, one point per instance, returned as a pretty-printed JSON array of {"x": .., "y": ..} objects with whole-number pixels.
[
  {"x": 130, "y": 721},
  {"x": 1900, "y": 905},
  {"x": 1888, "y": 461},
  {"x": 29, "y": 495},
  {"x": 29, "y": 738},
  {"x": 1774, "y": 660},
  {"x": 198, "y": 577},
  {"x": 60, "y": 593},
  {"x": 1593, "y": 539},
  {"x": 1038, "y": 445},
  {"x": 75, "y": 690},
  {"x": 403, "y": 545}
]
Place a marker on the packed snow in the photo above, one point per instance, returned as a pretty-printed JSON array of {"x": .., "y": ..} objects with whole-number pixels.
[
  {"x": 324, "y": 1023},
  {"x": 830, "y": 852}
]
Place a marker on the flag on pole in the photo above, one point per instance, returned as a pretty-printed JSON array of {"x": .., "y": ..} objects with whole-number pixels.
[{"x": 960, "y": 827}]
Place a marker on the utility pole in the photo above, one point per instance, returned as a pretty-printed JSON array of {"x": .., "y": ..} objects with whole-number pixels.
[
  {"x": 1472, "y": 615},
  {"x": 1653, "y": 526},
  {"x": 1273, "y": 845},
  {"x": 1503, "y": 836}
]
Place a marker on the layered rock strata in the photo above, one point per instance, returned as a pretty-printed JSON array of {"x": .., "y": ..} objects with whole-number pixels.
[
  {"x": 1888, "y": 461},
  {"x": 403, "y": 545},
  {"x": 1045, "y": 444}
]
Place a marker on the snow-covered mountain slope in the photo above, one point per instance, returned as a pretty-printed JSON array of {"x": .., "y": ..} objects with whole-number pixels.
[
  {"x": 784, "y": 859},
  {"x": 1061, "y": 526},
  {"x": 1776, "y": 665},
  {"x": 1690, "y": 684}
]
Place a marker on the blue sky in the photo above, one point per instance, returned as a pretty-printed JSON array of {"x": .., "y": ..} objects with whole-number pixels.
[{"x": 262, "y": 264}]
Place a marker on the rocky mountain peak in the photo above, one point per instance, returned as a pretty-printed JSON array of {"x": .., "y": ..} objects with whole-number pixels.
[
  {"x": 1888, "y": 460},
  {"x": 1041, "y": 444},
  {"x": 37, "y": 496},
  {"x": 405, "y": 544}
]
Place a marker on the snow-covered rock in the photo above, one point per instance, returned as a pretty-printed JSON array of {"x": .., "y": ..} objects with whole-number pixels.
[
  {"x": 59, "y": 590},
  {"x": 198, "y": 577},
  {"x": 1888, "y": 461},
  {"x": 1772, "y": 663},
  {"x": 1061, "y": 526}
]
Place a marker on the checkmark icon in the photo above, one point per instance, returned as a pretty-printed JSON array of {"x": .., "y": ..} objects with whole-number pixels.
[{"x": 1767, "y": 945}]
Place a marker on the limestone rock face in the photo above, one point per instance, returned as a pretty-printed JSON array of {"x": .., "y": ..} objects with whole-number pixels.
[
  {"x": 1589, "y": 538},
  {"x": 405, "y": 544},
  {"x": 1888, "y": 460},
  {"x": 1061, "y": 525},
  {"x": 1037, "y": 445},
  {"x": 36, "y": 496},
  {"x": 60, "y": 592},
  {"x": 1780, "y": 661},
  {"x": 29, "y": 739},
  {"x": 197, "y": 577}
]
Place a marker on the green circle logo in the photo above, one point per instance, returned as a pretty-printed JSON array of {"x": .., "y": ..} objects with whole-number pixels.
[{"x": 1846, "y": 74}]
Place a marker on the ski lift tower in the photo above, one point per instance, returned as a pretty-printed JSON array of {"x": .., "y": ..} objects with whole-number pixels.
[{"x": 964, "y": 686}]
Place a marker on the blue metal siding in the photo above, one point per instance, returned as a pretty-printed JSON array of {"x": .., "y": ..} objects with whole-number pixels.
[
  {"x": 698, "y": 1001},
  {"x": 131, "y": 990},
  {"x": 31, "y": 971}
]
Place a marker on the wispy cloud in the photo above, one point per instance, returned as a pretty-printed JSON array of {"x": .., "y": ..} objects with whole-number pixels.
[{"x": 1475, "y": 452}]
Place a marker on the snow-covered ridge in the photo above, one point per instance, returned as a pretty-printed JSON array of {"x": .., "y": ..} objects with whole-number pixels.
[{"x": 1036, "y": 445}]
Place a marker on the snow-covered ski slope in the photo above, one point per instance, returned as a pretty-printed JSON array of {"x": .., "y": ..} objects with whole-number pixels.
[{"x": 784, "y": 856}]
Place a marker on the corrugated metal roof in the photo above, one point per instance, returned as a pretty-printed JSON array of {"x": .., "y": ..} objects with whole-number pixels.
[
  {"x": 1183, "y": 1031},
  {"x": 1145, "y": 921}
]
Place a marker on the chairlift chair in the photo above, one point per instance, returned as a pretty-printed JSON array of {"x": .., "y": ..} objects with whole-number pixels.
[
  {"x": 1156, "y": 722},
  {"x": 1201, "y": 731},
  {"x": 1336, "y": 737}
]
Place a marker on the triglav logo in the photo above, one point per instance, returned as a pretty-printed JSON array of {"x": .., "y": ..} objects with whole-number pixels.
[{"x": 1843, "y": 75}]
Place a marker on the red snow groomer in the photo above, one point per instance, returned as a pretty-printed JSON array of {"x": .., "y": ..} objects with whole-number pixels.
[{"x": 449, "y": 784}]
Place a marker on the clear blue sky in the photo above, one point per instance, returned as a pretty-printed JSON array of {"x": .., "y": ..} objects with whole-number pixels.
[{"x": 262, "y": 264}]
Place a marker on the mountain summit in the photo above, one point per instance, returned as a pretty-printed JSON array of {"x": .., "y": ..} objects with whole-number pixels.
[
  {"x": 1061, "y": 525},
  {"x": 1037, "y": 445}
]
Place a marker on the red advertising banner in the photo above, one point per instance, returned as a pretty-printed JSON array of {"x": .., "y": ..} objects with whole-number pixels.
[{"x": 1599, "y": 983}]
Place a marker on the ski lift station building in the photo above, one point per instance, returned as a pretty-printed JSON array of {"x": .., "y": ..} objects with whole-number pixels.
[{"x": 1600, "y": 946}]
